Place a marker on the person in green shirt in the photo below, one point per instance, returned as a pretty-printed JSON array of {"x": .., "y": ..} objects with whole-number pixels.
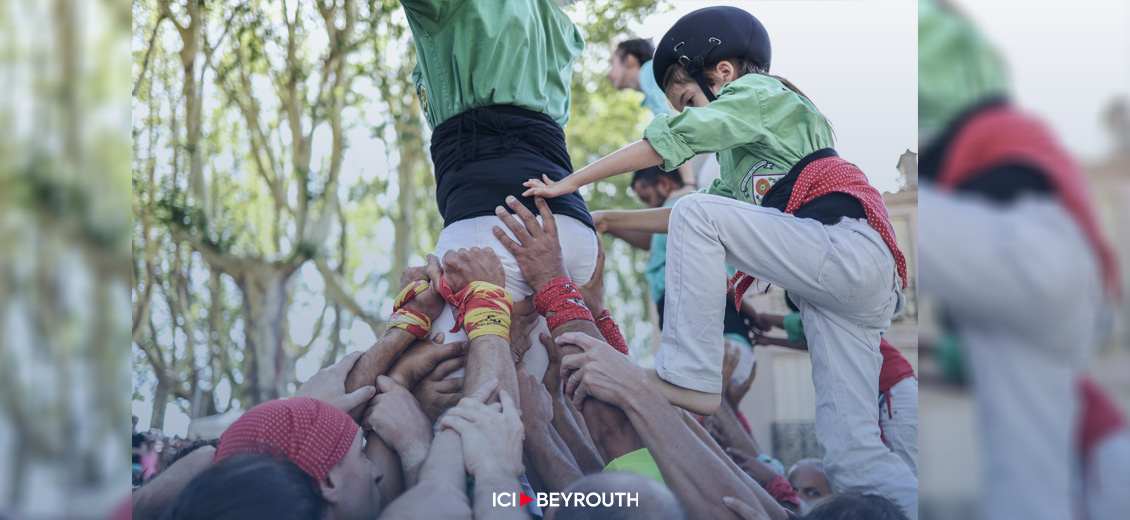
[
  {"x": 787, "y": 211},
  {"x": 493, "y": 80}
]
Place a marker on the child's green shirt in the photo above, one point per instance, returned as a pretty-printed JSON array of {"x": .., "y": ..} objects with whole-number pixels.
[{"x": 758, "y": 127}]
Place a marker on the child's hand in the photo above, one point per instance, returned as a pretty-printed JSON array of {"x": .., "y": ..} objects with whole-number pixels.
[{"x": 548, "y": 188}]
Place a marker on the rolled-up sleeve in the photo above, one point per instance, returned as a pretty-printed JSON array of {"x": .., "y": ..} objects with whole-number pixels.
[{"x": 732, "y": 120}]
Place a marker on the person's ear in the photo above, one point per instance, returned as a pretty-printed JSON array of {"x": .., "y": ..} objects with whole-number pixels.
[
  {"x": 332, "y": 486},
  {"x": 726, "y": 72}
]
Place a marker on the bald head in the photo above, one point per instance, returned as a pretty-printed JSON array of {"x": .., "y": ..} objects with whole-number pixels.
[{"x": 655, "y": 500}]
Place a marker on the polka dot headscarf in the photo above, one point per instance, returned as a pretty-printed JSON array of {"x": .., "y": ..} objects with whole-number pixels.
[{"x": 310, "y": 433}]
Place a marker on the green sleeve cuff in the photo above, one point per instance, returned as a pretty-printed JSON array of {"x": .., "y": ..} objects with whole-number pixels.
[
  {"x": 668, "y": 144},
  {"x": 794, "y": 327}
]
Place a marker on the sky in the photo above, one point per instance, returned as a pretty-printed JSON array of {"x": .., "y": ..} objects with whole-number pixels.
[{"x": 1067, "y": 61}]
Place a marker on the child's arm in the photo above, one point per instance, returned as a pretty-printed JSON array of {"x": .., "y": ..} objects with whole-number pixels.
[
  {"x": 771, "y": 320},
  {"x": 646, "y": 220},
  {"x": 636, "y": 156},
  {"x": 761, "y": 339}
]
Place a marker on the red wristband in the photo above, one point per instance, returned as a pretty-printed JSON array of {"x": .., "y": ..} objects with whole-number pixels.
[
  {"x": 611, "y": 332},
  {"x": 561, "y": 297},
  {"x": 416, "y": 323}
]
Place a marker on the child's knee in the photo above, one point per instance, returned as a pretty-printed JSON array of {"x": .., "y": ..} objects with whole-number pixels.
[{"x": 689, "y": 209}]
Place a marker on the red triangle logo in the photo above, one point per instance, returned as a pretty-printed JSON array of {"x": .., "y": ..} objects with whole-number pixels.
[{"x": 525, "y": 499}]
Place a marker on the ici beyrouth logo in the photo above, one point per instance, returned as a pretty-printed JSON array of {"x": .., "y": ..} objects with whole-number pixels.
[{"x": 615, "y": 499}]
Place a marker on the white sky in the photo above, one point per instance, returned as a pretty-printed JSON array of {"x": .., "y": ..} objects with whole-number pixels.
[{"x": 1067, "y": 60}]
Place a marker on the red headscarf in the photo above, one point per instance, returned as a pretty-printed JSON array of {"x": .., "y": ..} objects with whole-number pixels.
[{"x": 310, "y": 433}]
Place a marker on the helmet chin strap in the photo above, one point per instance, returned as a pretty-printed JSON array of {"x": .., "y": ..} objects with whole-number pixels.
[{"x": 696, "y": 68}]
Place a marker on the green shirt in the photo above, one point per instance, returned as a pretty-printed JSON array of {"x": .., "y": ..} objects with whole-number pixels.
[
  {"x": 794, "y": 328},
  {"x": 656, "y": 271},
  {"x": 477, "y": 53},
  {"x": 958, "y": 68},
  {"x": 758, "y": 127},
  {"x": 639, "y": 462}
]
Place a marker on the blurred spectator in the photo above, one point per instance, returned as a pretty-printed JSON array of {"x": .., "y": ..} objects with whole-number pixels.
[
  {"x": 1004, "y": 205},
  {"x": 811, "y": 484}
]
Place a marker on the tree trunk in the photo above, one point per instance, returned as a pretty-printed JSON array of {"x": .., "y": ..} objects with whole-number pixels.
[
  {"x": 410, "y": 144},
  {"x": 160, "y": 402},
  {"x": 264, "y": 288}
]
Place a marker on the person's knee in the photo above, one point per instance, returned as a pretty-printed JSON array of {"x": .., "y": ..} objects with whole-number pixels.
[{"x": 689, "y": 212}]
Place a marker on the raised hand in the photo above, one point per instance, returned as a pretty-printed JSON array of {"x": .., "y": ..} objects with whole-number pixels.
[
  {"x": 491, "y": 437},
  {"x": 520, "y": 327},
  {"x": 429, "y": 302},
  {"x": 600, "y": 221},
  {"x": 599, "y": 371},
  {"x": 536, "y": 404},
  {"x": 477, "y": 264},
  {"x": 549, "y": 188},
  {"x": 435, "y": 393},
  {"x": 395, "y": 416},
  {"x": 328, "y": 385},
  {"x": 537, "y": 250},
  {"x": 422, "y": 357}
]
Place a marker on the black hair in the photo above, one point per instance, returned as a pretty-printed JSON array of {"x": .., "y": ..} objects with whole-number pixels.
[
  {"x": 853, "y": 506},
  {"x": 642, "y": 49},
  {"x": 189, "y": 448},
  {"x": 650, "y": 176},
  {"x": 250, "y": 486}
]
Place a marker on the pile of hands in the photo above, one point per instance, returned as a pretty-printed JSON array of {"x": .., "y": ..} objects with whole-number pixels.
[{"x": 407, "y": 400}]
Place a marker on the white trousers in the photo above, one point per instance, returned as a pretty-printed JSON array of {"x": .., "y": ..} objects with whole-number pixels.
[
  {"x": 1023, "y": 290},
  {"x": 578, "y": 244},
  {"x": 1107, "y": 480},
  {"x": 899, "y": 421},
  {"x": 842, "y": 278}
]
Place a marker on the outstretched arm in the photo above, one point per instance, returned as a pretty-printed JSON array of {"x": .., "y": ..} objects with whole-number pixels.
[
  {"x": 761, "y": 339},
  {"x": 635, "y": 220},
  {"x": 377, "y": 360},
  {"x": 538, "y": 254},
  {"x": 635, "y": 156},
  {"x": 697, "y": 476}
]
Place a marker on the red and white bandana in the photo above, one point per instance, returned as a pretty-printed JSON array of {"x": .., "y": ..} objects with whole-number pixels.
[{"x": 310, "y": 433}]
